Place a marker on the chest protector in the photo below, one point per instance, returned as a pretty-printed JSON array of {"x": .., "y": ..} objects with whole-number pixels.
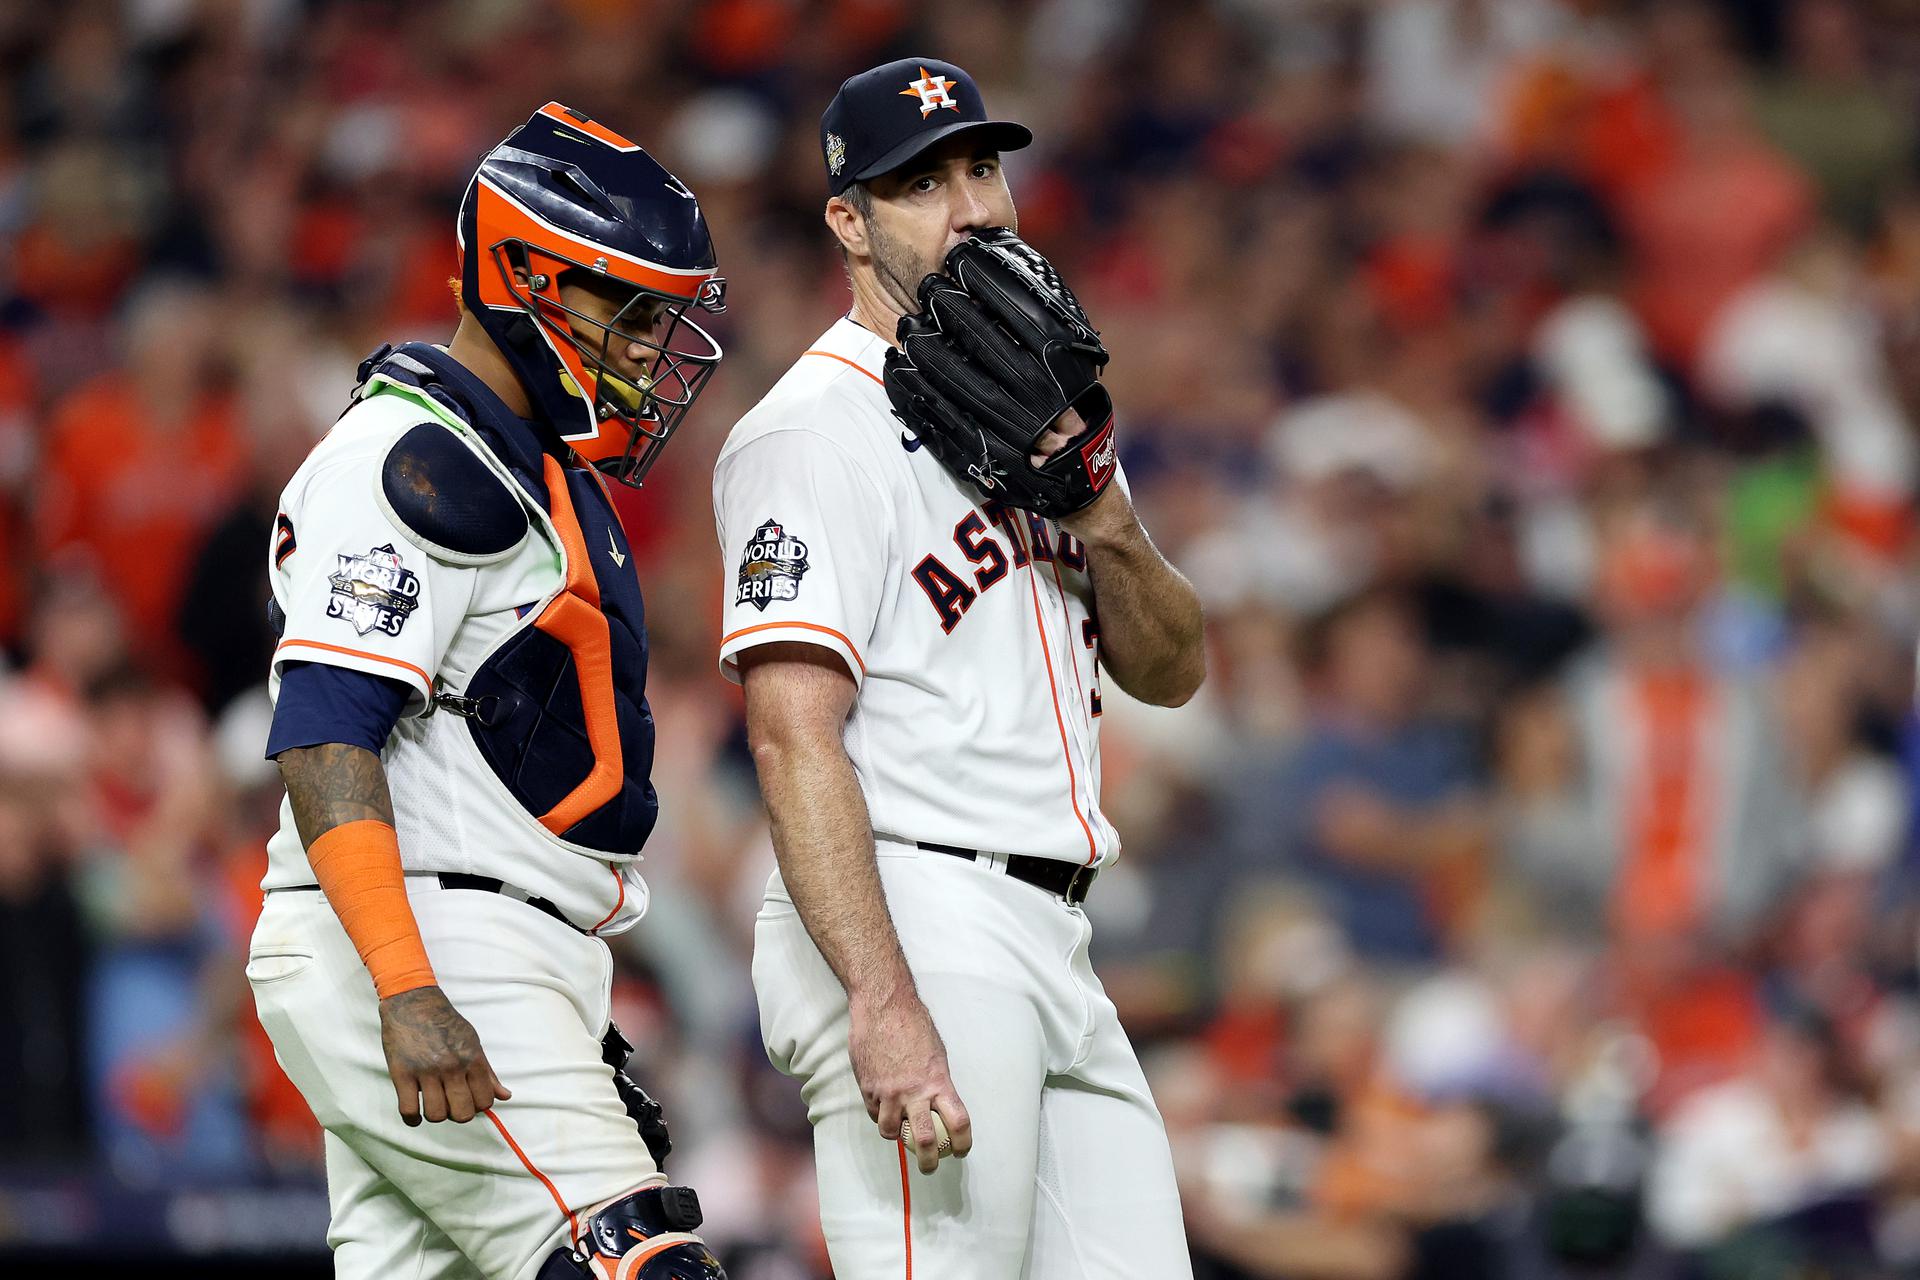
[{"x": 558, "y": 708}]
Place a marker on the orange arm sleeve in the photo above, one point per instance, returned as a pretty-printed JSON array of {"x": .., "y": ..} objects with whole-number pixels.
[{"x": 357, "y": 865}]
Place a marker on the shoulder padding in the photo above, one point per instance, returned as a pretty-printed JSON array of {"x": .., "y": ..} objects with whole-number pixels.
[{"x": 447, "y": 501}]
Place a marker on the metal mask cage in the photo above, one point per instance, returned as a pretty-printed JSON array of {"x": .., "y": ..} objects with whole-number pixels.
[{"x": 684, "y": 355}]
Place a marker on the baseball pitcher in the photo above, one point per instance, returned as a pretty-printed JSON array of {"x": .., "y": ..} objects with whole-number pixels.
[{"x": 931, "y": 566}]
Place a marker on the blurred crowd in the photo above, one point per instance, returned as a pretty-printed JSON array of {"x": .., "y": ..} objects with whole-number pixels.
[{"x": 1529, "y": 386}]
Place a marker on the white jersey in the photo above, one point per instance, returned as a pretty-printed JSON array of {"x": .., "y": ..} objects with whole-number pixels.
[
  {"x": 357, "y": 593},
  {"x": 968, "y": 627}
]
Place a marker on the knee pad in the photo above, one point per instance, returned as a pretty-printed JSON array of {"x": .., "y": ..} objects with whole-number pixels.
[{"x": 646, "y": 1235}]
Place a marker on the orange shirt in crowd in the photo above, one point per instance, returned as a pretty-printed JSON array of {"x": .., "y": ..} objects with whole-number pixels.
[
  {"x": 1662, "y": 884},
  {"x": 66, "y": 277},
  {"x": 1708, "y": 227},
  {"x": 1615, "y": 132},
  {"x": 136, "y": 497}
]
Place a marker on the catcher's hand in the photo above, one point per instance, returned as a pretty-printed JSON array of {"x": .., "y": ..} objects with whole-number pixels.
[{"x": 1000, "y": 350}]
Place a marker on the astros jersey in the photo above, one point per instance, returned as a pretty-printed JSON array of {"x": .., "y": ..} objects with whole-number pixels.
[
  {"x": 358, "y": 590},
  {"x": 969, "y": 627}
]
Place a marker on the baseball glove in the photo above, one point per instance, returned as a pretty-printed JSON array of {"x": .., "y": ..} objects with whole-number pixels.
[{"x": 1000, "y": 349}]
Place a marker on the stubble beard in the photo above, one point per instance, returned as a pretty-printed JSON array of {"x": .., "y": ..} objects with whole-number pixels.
[{"x": 896, "y": 269}]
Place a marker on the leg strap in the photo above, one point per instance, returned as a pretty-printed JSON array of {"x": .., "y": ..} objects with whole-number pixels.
[{"x": 645, "y": 1235}]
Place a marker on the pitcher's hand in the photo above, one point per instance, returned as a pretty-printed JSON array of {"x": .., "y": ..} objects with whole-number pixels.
[{"x": 901, "y": 1066}]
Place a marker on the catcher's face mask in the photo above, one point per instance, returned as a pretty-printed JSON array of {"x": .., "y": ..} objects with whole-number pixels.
[
  {"x": 594, "y": 320},
  {"x": 565, "y": 196}
]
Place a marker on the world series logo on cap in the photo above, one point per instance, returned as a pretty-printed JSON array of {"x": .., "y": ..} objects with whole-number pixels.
[
  {"x": 836, "y": 154},
  {"x": 932, "y": 92}
]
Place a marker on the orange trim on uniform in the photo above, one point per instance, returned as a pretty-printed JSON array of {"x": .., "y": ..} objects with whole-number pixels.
[
  {"x": 619, "y": 901},
  {"x": 592, "y": 128},
  {"x": 850, "y": 364},
  {"x": 1066, "y": 751},
  {"x": 573, "y": 1225},
  {"x": 574, "y": 619},
  {"x": 356, "y": 653},
  {"x": 906, "y": 1207},
  {"x": 580, "y": 580},
  {"x": 1073, "y": 656},
  {"x": 731, "y": 636}
]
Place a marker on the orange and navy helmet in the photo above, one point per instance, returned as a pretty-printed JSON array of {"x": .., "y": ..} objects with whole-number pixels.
[{"x": 565, "y": 197}]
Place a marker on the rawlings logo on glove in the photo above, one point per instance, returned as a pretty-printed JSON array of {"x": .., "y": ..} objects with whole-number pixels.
[{"x": 999, "y": 351}]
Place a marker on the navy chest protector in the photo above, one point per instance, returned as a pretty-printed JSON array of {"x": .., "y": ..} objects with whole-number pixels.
[{"x": 558, "y": 710}]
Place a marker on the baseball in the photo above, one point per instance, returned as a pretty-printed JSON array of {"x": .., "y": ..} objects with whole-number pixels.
[{"x": 942, "y": 1140}]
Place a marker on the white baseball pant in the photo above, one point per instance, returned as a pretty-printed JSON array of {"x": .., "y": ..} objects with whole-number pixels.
[
  {"x": 1070, "y": 1177},
  {"x": 491, "y": 1198}
]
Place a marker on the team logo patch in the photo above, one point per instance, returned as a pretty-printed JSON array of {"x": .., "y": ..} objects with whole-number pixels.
[
  {"x": 771, "y": 567},
  {"x": 932, "y": 92},
  {"x": 836, "y": 154},
  {"x": 374, "y": 592}
]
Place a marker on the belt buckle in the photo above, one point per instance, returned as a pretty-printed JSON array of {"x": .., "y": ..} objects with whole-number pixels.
[{"x": 1078, "y": 884}]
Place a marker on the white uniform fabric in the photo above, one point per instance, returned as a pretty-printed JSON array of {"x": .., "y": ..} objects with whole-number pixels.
[
  {"x": 975, "y": 726},
  {"x": 493, "y": 1197},
  {"x": 358, "y": 594}
]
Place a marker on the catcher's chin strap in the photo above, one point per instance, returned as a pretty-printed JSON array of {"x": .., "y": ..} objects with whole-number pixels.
[{"x": 642, "y": 1235}]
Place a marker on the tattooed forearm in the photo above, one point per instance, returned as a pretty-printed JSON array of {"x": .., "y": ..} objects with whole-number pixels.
[{"x": 333, "y": 784}]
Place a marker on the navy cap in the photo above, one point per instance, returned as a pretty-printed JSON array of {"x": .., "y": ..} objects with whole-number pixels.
[{"x": 885, "y": 117}]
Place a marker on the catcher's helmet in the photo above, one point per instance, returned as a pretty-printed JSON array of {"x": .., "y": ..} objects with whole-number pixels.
[{"x": 565, "y": 194}]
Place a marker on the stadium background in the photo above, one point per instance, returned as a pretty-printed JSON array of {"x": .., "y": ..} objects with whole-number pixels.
[{"x": 1528, "y": 385}]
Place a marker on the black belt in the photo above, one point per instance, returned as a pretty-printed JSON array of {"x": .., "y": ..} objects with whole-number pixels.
[
  {"x": 485, "y": 884},
  {"x": 1069, "y": 880},
  {"x": 491, "y": 884}
]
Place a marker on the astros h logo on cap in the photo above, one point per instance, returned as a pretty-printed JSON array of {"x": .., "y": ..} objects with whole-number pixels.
[
  {"x": 867, "y": 131},
  {"x": 932, "y": 92}
]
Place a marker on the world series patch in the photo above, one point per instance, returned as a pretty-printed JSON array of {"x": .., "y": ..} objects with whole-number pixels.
[
  {"x": 374, "y": 592},
  {"x": 771, "y": 567}
]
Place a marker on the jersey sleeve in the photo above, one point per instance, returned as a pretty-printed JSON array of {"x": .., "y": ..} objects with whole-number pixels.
[
  {"x": 355, "y": 591},
  {"x": 804, "y": 546},
  {"x": 319, "y": 702}
]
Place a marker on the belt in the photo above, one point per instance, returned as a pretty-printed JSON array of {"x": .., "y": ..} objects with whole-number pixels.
[
  {"x": 484, "y": 884},
  {"x": 489, "y": 884},
  {"x": 1068, "y": 880}
]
